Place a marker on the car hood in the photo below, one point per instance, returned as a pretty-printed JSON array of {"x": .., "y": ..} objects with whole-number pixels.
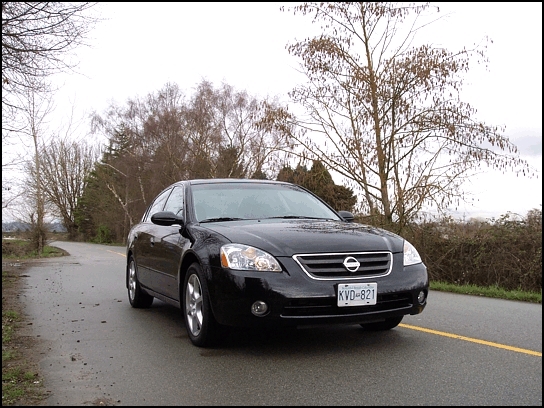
[{"x": 289, "y": 237}]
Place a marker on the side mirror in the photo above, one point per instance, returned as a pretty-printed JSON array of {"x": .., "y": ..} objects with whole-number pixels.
[
  {"x": 166, "y": 218},
  {"x": 346, "y": 215}
]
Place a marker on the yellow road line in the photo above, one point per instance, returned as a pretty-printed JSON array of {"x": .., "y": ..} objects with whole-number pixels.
[
  {"x": 116, "y": 253},
  {"x": 484, "y": 342}
]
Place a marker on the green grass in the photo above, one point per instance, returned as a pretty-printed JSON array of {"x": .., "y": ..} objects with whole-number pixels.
[
  {"x": 9, "y": 317},
  {"x": 21, "y": 385},
  {"x": 15, "y": 384},
  {"x": 491, "y": 291},
  {"x": 21, "y": 250}
]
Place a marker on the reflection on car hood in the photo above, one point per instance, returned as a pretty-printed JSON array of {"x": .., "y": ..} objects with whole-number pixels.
[{"x": 289, "y": 237}]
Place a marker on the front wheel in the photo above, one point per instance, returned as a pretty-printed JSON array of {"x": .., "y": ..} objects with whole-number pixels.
[
  {"x": 203, "y": 329},
  {"x": 136, "y": 296},
  {"x": 387, "y": 324}
]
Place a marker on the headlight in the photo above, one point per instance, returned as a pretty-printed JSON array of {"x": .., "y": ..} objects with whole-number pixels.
[
  {"x": 247, "y": 258},
  {"x": 411, "y": 255}
]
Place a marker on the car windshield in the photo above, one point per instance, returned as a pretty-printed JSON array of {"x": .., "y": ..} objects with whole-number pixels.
[{"x": 234, "y": 201}]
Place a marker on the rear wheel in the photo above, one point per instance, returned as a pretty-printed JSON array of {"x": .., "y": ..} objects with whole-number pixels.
[
  {"x": 387, "y": 324},
  {"x": 203, "y": 329},
  {"x": 136, "y": 296}
]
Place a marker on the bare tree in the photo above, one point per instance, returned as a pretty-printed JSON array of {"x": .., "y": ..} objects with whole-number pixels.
[
  {"x": 168, "y": 136},
  {"x": 36, "y": 109},
  {"x": 255, "y": 150},
  {"x": 65, "y": 167},
  {"x": 37, "y": 41},
  {"x": 385, "y": 112}
]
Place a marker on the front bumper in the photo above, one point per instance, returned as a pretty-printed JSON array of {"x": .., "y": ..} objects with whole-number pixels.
[{"x": 295, "y": 299}]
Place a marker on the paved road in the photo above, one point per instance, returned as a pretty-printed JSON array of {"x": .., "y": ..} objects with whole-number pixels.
[{"x": 462, "y": 350}]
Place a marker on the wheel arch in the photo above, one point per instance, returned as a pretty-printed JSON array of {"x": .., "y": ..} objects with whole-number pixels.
[{"x": 187, "y": 261}]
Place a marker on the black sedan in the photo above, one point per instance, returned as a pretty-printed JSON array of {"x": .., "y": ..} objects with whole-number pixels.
[{"x": 260, "y": 253}]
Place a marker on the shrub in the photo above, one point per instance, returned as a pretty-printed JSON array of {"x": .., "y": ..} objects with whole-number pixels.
[{"x": 506, "y": 253}]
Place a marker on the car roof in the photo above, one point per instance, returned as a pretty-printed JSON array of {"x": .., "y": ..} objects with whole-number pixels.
[{"x": 233, "y": 180}]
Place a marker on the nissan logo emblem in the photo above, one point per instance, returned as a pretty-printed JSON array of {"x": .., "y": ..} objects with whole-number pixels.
[{"x": 351, "y": 264}]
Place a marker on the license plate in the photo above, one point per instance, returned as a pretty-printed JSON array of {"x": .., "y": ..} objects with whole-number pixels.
[{"x": 357, "y": 294}]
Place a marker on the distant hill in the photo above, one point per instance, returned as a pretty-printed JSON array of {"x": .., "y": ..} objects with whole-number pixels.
[{"x": 17, "y": 226}]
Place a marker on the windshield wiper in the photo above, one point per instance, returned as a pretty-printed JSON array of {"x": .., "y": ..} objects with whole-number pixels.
[{"x": 218, "y": 219}]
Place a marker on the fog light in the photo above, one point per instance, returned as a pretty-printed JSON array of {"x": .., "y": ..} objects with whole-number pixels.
[
  {"x": 421, "y": 297},
  {"x": 259, "y": 308}
]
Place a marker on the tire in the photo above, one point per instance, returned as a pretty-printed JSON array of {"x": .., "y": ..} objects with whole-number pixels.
[
  {"x": 202, "y": 328},
  {"x": 136, "y": 296},
  {"x": 387, "y": 324}
]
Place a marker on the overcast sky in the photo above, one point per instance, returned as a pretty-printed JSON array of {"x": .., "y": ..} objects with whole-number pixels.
[{"x": 139, "y": 47}]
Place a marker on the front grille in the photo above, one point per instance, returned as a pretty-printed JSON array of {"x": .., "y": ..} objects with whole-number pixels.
[
  {"x": 331, "y": 266},
  {"x": 324, "y": 307}
]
